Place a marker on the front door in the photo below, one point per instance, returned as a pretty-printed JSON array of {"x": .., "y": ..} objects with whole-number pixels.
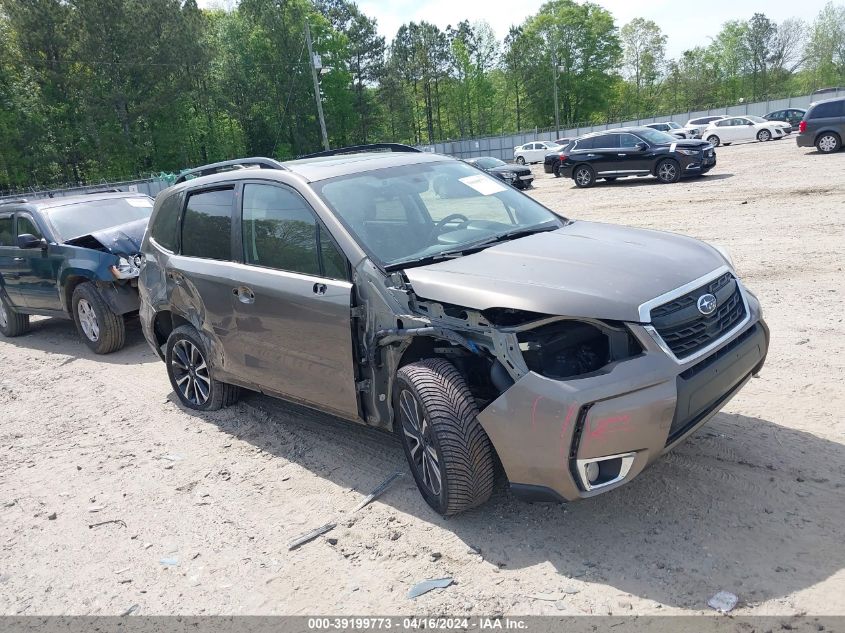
[
  {"x": 292, "y": 303},
  {"x": 38, "y": 280},
  {"x": 633, "y": 160}
]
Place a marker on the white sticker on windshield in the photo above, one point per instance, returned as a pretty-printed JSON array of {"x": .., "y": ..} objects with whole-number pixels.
[
  {"x": 483, "y": 184},
  {"x": 141, "y": 203}
]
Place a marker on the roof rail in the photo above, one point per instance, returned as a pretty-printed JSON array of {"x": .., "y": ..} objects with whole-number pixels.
[
  {"x": 109, "y": 190},
  {"x": 14, "y": 201},
  {"x": 357, "y": 149},
  {"x": 229, "y": 165}
]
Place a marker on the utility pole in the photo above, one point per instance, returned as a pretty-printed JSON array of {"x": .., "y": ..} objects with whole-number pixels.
[
  {"x": 316, "y": 86},
  {"x": 557, "y": 110}
]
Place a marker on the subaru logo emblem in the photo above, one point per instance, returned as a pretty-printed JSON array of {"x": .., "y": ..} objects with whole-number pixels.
[{"x": 707, "y": 304}]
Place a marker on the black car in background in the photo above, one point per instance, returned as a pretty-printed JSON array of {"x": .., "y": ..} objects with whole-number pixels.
[
  {"x": 519, "y": 176},
  {"x": 823, "y": 125},
  {"x": 792, "y": 116},
  {"x": 633, "y": 151}
]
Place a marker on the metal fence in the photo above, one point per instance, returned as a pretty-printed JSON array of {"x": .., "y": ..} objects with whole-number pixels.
[
  {"x": 501, "y": 147},
  {"x": 149, "y": 186}
]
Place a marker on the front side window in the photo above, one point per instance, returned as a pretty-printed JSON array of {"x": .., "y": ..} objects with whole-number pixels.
[
  {"x": 280, "y": 231},
  {"x": 437, "y": 208},
  {"x": 207, "y": 225},
  {"x": 628, "y": 141},
  {"x": 7, "y": 234},
  {"x": 26, "y": 225}
]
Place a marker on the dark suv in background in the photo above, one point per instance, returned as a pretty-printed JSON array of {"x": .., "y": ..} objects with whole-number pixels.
[
  {"x": 823, "y": 126},
  {"x": 75, "y": 257},
  {"x": 634, "y": 151}
]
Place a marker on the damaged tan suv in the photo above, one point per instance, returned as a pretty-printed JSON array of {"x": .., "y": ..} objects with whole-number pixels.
[{"x": 416, "y": 293}]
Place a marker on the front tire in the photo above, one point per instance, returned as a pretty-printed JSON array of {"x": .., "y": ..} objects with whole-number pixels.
[
  {"x": 190, "y": 376},
  {"x": 102, "y": 330},
  {"x": 520, "y": 160},
  {"x": 764, "y": 135},
  {"x": 449, "y": 453},
  {"x": 668, "y": 171},
  {"x": 12, "y": 323},
  {"x": 713, "y": 140},
  {"x": 584, "y": 176},
  {"x": 828, "y": 143}
]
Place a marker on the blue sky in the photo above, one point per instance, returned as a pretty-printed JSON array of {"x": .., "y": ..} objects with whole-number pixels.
[{"x": 687, "y": 24}]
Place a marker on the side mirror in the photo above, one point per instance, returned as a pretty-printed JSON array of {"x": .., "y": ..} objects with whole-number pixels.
[
  {"x": 27, "y": 240},
  {"x": 641, "y": 147}
]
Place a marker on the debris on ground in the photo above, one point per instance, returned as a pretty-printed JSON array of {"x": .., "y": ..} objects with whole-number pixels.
[
  {"x": 130, "y": 610},
  {"x": 547, "y": 597},
  {"x": 310, "y": 536},
  {"x": 378, "y": 491},
  {"x": 723, "y": 601},
  {"x": 328, "y": 527},
  {"x": 51, "y": 516},
  {"x": 427, "y": 585},
  {"x": 169, "y": 562},
  {"x": 118, "y": 521}
]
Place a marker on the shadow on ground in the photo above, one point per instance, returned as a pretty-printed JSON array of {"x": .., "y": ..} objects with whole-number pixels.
[
  {"x": 59, "y": 336},
  {"x": 741, "y": 489}
]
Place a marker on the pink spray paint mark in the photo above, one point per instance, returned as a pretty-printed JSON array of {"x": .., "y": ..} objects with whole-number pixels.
[
  {"x": 607, "y": 425},
  {"x": 563, "y": 428}
]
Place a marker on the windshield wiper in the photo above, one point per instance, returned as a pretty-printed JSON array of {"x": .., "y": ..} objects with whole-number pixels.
[{"x": 472, "y": 247}]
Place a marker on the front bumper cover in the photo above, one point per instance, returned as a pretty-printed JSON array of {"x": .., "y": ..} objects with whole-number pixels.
[{"x": 544, "y": 430}]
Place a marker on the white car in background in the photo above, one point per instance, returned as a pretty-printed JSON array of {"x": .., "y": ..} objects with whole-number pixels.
[
  {"x": 675, "y": 129},
  {"x": 534, "y": 152},
  {"x": 744, "y": 128},
  {"x": 697, "y": 126}
]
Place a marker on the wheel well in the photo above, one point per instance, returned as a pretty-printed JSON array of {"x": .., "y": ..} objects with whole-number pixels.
[
  {"x": 164, "y": 323},
  {"x": 577, "y": 165},
  {"x": 831, "y": 132},
  {"x": 71, "y": 283}
]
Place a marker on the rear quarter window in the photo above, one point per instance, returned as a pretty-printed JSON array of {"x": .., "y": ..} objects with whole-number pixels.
[
  {"x": 825, "y": 110},
  {"x": 164, "y": 228}
]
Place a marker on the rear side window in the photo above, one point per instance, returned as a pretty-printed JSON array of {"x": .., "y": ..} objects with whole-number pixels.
[
  {"x": 165, "y": 227},
  {"x": 7, "y": 237},
  {"x": 280, "y": 231},
  {"x": 207, "y": 225},
  {"x": 586, "y": 143},
  {"x": 825, "y": 110}
]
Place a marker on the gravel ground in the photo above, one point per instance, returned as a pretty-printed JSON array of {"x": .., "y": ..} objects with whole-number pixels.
[{"x": 754, "y": 503}]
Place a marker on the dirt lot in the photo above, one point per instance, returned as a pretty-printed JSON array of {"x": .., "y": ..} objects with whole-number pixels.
[{"x": 754, "y": 503}]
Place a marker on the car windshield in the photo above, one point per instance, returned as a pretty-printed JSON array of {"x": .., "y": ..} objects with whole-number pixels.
[
  {"x": 673, "y": 125},
  {"x": 656, "y": 137},
  {"x": 489, "y": 163},
  {"x": 756, "y": 119},
  {"x": 415, "y": 214},
  {"x": 82, "y": 218}
]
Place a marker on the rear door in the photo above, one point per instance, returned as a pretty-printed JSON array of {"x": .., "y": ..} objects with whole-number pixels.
[
  {"x": 605, "y": 151},
  {"x": 11, "y": 263},
  {"x": 39, "y": 276},
  {"x": 201, "y": 276},
  {"x": 293, "y": 302}
]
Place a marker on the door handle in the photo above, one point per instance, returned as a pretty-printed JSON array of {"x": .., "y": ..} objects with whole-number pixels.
[
  {"x": 319, "y": 289},
  {"x": 17, "y": 259},
  {"x": 622, "y": 154},
  {"x": 244, "y": 294}
]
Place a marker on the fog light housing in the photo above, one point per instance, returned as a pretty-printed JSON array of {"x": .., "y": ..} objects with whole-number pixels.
[{"x": 600, "y": 472}]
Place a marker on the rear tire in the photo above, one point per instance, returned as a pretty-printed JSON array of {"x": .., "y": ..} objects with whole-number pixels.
[
  {"x": 12, "y": 323},
  {"x": 764, "y": 135},
  {"x": 102, "y": 330},
  {"x": 828, "y": 142},
  {"x": 668, "y": 171},
  {"x": 713, "y": 140},
  {"x": 557, "y": 170},
  {"x": 584, "y": 176},
  {"x": 187, "y": 367},
  {"x": 449, "y": 453}
]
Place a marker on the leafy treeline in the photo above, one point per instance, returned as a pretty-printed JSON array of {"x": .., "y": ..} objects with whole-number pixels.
[{"x": 105, "y": 89}]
